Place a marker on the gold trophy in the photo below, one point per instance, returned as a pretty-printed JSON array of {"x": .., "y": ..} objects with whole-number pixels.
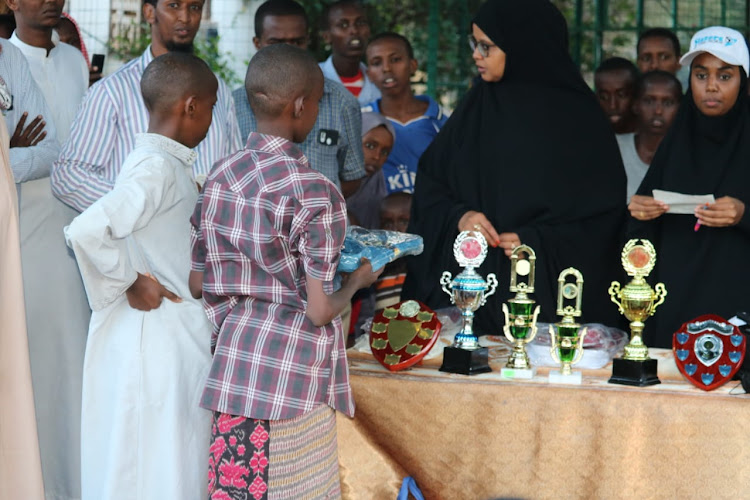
[
  {"x": 520, "y": 324},
  {"x": 567, "y": 346},
  {"x": 637, "y": 301}
]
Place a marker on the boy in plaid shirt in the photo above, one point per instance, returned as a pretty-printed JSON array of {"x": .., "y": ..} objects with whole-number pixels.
[{"x": 267, "y": 235}]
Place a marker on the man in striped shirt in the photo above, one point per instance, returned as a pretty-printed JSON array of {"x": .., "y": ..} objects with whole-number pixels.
[{"x": 113, "y": 112}]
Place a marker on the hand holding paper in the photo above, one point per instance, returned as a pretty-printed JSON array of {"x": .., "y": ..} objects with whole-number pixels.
[
  {"x": 725, "y": 212},
  {"x": 682, "y": 203},
  {"x": 646, "y": 208}
]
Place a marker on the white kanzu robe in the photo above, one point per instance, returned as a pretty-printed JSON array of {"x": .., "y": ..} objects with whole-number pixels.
[{"x": 143, "y": 433}]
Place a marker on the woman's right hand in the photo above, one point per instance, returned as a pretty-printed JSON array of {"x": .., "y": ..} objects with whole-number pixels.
[
  {"x": 646, "y": 207},
  {"x": 477, "y": 221}
]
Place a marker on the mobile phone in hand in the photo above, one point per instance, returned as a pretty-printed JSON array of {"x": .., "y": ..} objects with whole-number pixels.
[{"x": 97, "y": 61}]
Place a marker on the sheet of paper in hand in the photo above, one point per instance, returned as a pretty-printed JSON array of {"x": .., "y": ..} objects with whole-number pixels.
[
  {"x": 379, "y": 246},
  {"x": 682, "y": 203}
]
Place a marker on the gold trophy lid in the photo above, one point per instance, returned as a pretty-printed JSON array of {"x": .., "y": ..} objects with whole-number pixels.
[
  {"x": 638, "y": 259},
  {"x": 569, "y": 291},
  {"x": 522, "y": 266}
]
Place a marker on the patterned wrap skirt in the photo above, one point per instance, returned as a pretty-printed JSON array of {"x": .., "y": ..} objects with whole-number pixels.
[{"x": 253, "y": 459}]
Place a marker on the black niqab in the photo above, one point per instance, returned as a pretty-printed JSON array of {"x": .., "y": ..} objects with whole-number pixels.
[
  {"x": 704, "y": 271},
  {"x": 534, "y": 153}
]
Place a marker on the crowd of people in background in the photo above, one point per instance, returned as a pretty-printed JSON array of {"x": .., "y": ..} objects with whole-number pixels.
[{"x": 170, "y": 244}]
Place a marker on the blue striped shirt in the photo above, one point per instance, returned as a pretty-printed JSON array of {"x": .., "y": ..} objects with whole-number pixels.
[
  {"x": 334, "y": 145},
  {"x": 31, "y": 162},
  {"x": 104, "y": 130}
]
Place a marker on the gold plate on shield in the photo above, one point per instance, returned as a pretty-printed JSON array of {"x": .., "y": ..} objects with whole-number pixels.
[{"x": 403, "y": 334}]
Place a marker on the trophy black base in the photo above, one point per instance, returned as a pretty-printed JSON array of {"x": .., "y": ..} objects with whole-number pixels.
[
  {"x": 637, "y": 373},
  {"x": 465, "y": 362}
]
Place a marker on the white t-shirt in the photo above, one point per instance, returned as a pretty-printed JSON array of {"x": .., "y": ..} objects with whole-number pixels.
[{"x": 635, "y": 168}]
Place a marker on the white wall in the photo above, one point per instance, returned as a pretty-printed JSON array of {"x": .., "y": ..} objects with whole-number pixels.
[
  {"x": 235, "y": 23},
  {"x": 232, "y": 18},
  {"x": 93, "y": 18}
]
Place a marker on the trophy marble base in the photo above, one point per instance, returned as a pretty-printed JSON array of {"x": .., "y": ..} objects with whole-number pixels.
[
  {"x": 638, "y": 373},
  {"x": 521, "y": 373},
  {"x": 465, "y": 361},
  {"x": 556, "y": 377}
]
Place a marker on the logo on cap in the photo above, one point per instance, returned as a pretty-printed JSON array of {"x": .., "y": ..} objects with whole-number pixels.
[{"x": 727, "y": 41}]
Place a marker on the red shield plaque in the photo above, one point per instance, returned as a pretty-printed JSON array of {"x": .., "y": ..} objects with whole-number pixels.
[
  {"x": 708, "y": 351},
  {"x": 402, "y": 334}
]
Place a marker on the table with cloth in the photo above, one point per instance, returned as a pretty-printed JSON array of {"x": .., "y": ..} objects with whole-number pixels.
[{"x": 485, "y": 437}]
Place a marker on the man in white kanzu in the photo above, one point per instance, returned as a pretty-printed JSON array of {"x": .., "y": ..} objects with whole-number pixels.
[{"x": 57, "y": 311}]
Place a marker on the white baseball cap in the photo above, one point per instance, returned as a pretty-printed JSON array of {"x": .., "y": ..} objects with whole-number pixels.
[{"x": 725, "y": 43}]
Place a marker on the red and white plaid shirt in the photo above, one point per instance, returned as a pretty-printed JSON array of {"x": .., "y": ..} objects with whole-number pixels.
[{"x": 263, "y": 221}]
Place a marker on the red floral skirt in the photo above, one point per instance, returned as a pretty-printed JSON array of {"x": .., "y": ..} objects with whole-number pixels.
[{"x": 274, "y": 459}]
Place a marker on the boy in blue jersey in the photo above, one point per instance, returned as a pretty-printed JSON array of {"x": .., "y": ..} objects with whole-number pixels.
[{"x": 416, "y": 119}]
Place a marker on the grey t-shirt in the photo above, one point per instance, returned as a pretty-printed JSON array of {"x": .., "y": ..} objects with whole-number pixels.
[{"x": 635, "y": 168}]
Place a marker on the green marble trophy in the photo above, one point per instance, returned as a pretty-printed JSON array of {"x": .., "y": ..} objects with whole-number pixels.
[
  {"x": 520, "y": 312},
  {"x": 637, "y": 301},
  {"x": 566, "y": 346}
]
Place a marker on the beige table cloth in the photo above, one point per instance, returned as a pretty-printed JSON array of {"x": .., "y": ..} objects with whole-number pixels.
[{"x": 485, "y": 437}]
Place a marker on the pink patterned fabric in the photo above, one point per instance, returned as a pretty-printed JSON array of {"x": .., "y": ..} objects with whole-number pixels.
[{"x": 238, "y": 458}]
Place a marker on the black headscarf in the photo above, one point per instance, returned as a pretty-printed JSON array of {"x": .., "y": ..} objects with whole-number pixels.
[
  {"x": 533, "y": 152},
  {"x": 704, "y": 271}
]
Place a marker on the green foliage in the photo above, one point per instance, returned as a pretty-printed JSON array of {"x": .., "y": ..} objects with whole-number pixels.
[
  {"x": 132, "y": 41},
  {"x": 410, "y": 18},
  {"x": 600, "y": 29},
  {"x": 208, "y": 49}
]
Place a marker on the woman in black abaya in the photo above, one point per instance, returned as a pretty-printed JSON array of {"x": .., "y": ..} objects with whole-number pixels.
[
  {"x": 707, "y": 151},
  {"x": 528, "y": 157}
]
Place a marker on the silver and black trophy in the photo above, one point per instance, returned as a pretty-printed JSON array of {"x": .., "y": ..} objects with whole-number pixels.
[{"x": 468, "y": 291}]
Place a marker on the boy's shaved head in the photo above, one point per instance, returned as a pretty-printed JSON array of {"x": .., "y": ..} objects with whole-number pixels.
[
  {"x": 276, "y": 75},
  {"x": 390, "y": 35},
  {"x": 174, "y": 75}
]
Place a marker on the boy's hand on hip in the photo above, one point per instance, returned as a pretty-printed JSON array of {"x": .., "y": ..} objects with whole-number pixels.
[{"x": 146, "y": 293}]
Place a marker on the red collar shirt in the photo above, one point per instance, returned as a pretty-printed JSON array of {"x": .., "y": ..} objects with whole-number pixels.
[{"x": 265, "y": 219}]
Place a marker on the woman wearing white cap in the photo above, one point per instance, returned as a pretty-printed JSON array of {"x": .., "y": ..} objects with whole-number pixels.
[{"x": 702, "y": 257}]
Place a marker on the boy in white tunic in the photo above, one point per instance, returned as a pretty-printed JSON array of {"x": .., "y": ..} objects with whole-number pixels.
[{"x": 143, "y": 433}]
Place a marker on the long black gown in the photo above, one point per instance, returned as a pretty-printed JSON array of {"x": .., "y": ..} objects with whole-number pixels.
[{"x": 533, "y": 152}]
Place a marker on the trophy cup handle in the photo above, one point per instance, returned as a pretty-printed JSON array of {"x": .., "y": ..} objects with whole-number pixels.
[
  {"x": 533, "y": 325},
  {"x": 614, "y": 293},
  {"x": 492, "y": 285},
  {"x": 553, "y": 344},
  {"x": 506, "y": 326},
  {"x": 445, "y": 280},
  {"x": 660, "y": 292},
  {"x": 579, "y": 347}
]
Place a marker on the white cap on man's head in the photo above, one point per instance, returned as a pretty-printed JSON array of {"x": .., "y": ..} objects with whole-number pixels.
[{"x": 725, "y": 43}]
